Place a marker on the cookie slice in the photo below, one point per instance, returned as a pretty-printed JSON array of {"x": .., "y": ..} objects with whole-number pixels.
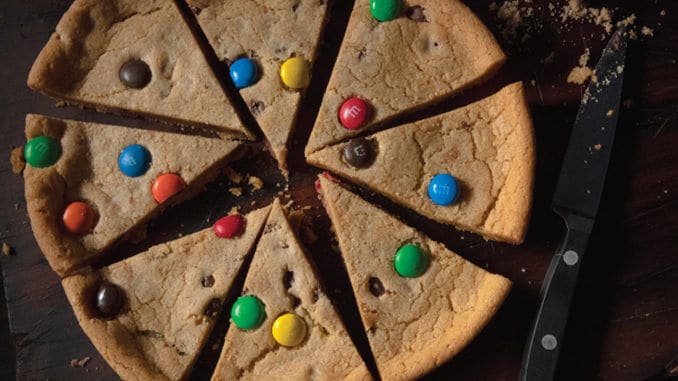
[
  {"x": 137, "y": 57},
  {"x": 270, "y": 49},
  {"x": 420, "y": 303},
  {"x": 150, "y": 315},
  {"x": 284, "y": 325},
  {"x": 90, "y": 185},
  {"x": 484, "y": 153},
  {"x": 385, "y": 68}
]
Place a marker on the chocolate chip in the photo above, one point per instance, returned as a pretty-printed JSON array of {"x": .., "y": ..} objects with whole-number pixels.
[
  {"x": 135, "y": 74},
  {"x": 213, "y": 308},
  {"x": 295, "y": 301},
  {"x": 362, "y": 53},
  {"x": 257, "y": 107},
  {"x": 359, "y": 153},
  {"x": 207, "y": 281},
  {"x": 376, "y": 287},
  {"x": 288, "y": 279},
  {"x": 416, "y": 13},
  {"x": 108, "y": 300}
]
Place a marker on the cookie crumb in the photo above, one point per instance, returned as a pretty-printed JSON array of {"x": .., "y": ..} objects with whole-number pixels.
[
  {"x": 645, "y": 31},
  {"x": 75, "y": 363},
  {"x": 233, "y": 176},
  {"x": 234, "y": 210},
  {"x": 60, "y": 104},
  {"x": 237, "y": 192},
  {"x": 255, "y": 182},
  {"x": 610, "y": 112},
  {"x": 6, "y": 249},
  {"x": 17, "y": 160},
  {"x": 581, "y": 73},
  {"x": 597, "y": 147}
]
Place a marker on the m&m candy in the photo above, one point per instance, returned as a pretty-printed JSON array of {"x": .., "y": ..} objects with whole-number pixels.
[
  {"x": 289, "y": 330},
  {"x": 443, "y": 189},
  {"x": 42, "y": 151},
  {"x": 166, "y": 186},
  {"x": 295, "y": 73},
  {"x": 229, "y": 226},
  {"x": 353, "y": 113},
  {"x": 78, "y": 218},
  {"x": 410, "y": 261},
  {"x": 243, "y": 72},
  {"x": 248, "y": 312},
  {"x": 134, "y": 160},
  {"x": 385, "y": 10}
]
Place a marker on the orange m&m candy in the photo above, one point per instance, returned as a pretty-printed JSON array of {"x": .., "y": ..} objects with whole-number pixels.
[
  {"x": 166, "y": 186},
  {"x": 79, "y": 218}
]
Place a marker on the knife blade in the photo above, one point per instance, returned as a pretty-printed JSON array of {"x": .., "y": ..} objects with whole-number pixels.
[{"x": 576, "y": 200}]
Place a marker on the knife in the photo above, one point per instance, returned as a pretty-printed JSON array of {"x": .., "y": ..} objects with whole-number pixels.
[{"x": 576, "y": 200}]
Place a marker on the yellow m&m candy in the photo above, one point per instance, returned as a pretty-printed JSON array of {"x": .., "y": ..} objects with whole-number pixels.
[
  {"x": 289, "y": 330},
  {"x": 295, "y": 73}
]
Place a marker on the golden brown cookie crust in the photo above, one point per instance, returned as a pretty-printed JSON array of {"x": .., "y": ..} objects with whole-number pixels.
[
  {"x": 401, "y": 65},
  {"x": 415, "y": 324},
  {"x": 488, "y": 146},
  {"x": 269, "y": 33},
  {"x": 327, "y": 352},
  {"x": 162, "y": 326},
  {"x": 88, "y": 171},
  {"x": 81, "y": 61}
]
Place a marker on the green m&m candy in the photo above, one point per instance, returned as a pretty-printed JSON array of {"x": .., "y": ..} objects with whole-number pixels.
[
  {"x": 42, "y": 151},
  {"x": 248, "y": 312},
  {"x": 410, "y": 261},
  {"x": 385, "y": 10}
]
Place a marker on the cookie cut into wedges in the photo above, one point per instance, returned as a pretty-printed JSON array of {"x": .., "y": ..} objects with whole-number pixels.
[
  {"x": 150, "y": 315},
  {"x": 137, "y": 57},
  {"x": 421, "y": 304},
  {"x": 472, "y": 167},
  {"x": 394, "y": 60},
  {"x": 89, "y": 186},
  {"x": 270, "y": 48},
  {"x": 283, "y": 325}
]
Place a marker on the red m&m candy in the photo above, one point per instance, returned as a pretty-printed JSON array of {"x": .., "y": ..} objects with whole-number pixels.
[
  {"x": 229, "y": 226},
  {"x": 78, "y": 218},
  {"x": 353, "y": 113},
  {"x": 166, "y": 186}
]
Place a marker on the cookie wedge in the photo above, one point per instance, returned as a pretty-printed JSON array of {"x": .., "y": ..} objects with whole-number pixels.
[
  {"x": 268, "y": 34},
  {"x": 433, "y": 50},
  {"x": 87, "y": 171},
  {"x": 168, "y": 299},
  {"x": 283, "y": 279},
  {"x": 414, "y": 323},
  {"x": 136, "y": 57},
  {"x": 488, "y": 146}
]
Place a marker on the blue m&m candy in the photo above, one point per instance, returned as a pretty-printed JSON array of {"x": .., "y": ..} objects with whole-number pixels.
[
  {"x": 134, "y": 160},
  {"x": 443, "y": 189},
  {"x": 243, "y": 72}
]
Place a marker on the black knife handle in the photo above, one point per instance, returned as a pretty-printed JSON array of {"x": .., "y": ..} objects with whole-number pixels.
[{"x": 546, "y": 338}]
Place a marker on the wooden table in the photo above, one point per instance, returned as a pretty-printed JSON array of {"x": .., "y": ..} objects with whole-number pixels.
[{"x": 623, "y": 323}]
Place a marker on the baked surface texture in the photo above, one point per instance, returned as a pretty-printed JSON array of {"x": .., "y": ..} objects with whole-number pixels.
[
  {"x": 401, "y": 65},
  {"x": 269, "y": 33},
  {"x": 87, "y": 170},
  {"x": 488, "y": 146},
  {"x": 164, "y": 321},
  {"x": 414, "y": 324},
  {"x": 327, "y": 353},
  {"x": 82, "y": 59}
]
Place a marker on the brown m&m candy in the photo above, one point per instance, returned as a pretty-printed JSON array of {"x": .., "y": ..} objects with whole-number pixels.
[
  {"x": 135, "y": 74},
  {"x": 108, "y": 300},
  {"x": 359, "y": 152}
]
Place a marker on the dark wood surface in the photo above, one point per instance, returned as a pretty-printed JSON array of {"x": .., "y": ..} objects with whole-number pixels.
[{"x": 623, "y": 323}]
